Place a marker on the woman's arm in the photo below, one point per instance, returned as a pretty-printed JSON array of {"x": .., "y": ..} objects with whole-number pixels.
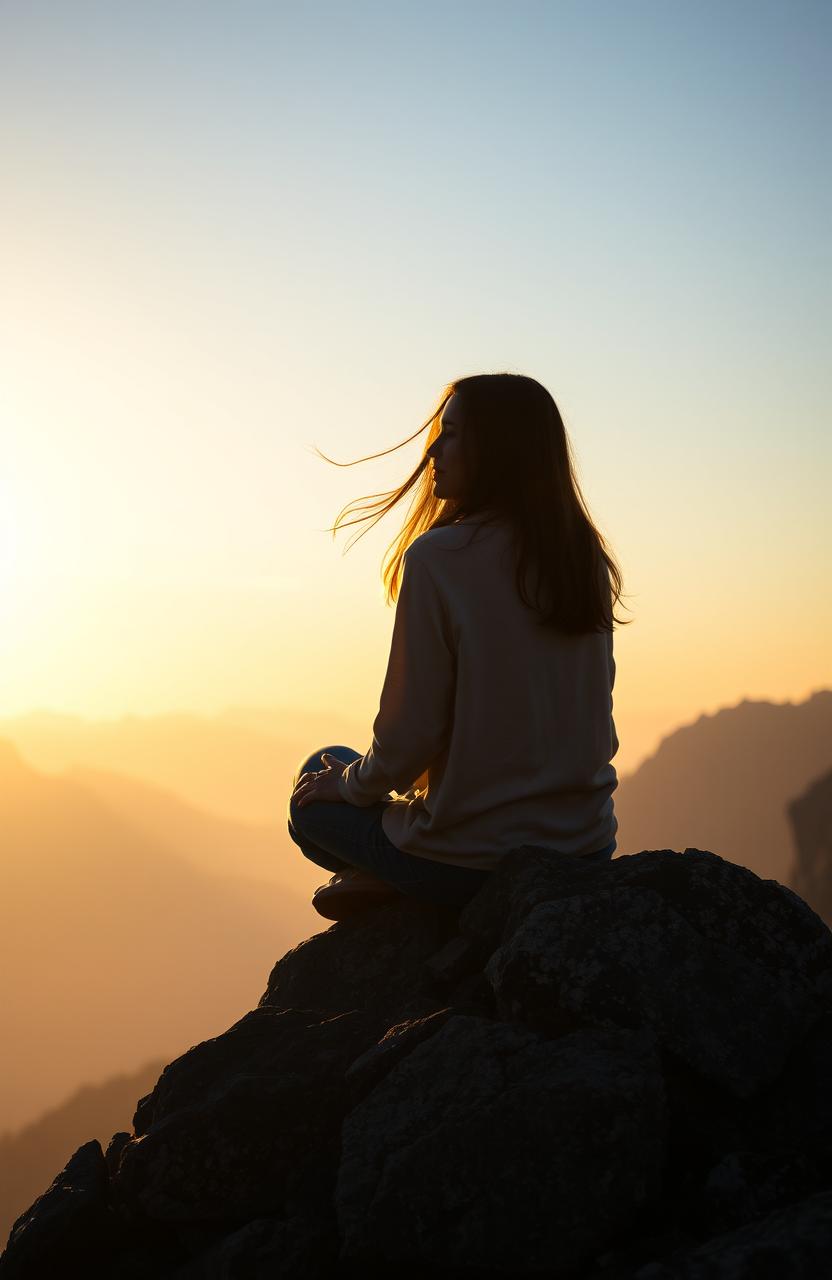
[{"x": 416, "y": 706}]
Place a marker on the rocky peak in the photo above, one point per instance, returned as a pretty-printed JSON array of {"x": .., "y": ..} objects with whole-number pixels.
[{"x": 614, "y": 1072}]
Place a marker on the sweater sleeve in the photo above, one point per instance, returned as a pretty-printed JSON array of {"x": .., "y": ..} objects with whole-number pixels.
[{"x": 416, "y": 706}]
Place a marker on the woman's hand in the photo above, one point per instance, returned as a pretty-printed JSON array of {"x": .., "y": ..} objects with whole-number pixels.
[{"x": 320, "y": 786}]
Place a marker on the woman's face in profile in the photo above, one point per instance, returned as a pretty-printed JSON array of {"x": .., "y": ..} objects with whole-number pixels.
[{"x": 446, "y": 452}]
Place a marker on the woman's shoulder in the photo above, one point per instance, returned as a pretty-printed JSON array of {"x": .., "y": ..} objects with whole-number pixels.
[
  {"x": 449, "y": 537},
  {"x": 433, "y": 540}
]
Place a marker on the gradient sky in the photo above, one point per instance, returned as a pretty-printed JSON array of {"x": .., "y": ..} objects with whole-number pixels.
[{"x": 234, "y": 231}]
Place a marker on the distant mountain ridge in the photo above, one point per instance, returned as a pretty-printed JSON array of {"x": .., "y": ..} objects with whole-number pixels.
[
  {"x": 724, "y": 782},
  {"x": 237, "y": 765},
  {"x": 220, "y": 845}
]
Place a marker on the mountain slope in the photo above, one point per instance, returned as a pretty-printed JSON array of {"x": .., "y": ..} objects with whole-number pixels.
[
  {"x": 112, "y": 947},
  {"x": 220, "y": 845},
  {"x": 724, "y": 783}
]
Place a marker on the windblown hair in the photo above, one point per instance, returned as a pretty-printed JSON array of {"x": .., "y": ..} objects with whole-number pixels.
[{"x": 518, "y": 463}]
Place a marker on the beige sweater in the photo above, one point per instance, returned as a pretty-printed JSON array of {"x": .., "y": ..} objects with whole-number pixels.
[{"x": 492, "y": 732}]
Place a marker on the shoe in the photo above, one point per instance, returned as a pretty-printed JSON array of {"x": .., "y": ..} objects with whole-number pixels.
[{"x": 350, "y": 892}]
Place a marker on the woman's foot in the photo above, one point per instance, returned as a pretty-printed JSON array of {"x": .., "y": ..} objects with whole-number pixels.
[{"x": 350, "y": 892}]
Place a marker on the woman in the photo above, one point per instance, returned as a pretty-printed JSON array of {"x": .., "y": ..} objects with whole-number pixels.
[{"x": 495, "y": 725}]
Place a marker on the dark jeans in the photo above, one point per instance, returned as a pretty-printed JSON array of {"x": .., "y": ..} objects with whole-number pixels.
[{"x": 338, "y": 835}]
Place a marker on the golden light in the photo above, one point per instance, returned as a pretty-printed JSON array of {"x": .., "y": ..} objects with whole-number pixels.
[{"x": 19, "y": 555}]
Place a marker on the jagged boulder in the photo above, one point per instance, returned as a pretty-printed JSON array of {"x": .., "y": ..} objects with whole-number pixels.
[
  {"x": 376, "y": 961},
  {"x": 69, "y": 1226},
  {"x": 796, "y": 1110},
  {"x": 590, "y": 1072},
  {"x": 485, "y": 1125},
  {"x": 794, "y": 1243},
  {"x": 761, "y": 920},
  {"x": 623, "y": 957},
  {"x": 237, "y": 1125}
]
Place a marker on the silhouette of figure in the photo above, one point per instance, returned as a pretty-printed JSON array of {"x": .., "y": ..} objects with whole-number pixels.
[{"x": 495, "y": 725}]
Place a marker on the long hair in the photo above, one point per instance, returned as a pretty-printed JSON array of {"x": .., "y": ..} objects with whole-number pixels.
[{"x": 519, "y": 467}]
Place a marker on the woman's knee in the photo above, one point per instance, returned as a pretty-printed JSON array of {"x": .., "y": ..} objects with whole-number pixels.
[{"x": 314, "y": 763}]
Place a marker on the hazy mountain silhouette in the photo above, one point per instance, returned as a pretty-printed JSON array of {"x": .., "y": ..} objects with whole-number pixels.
[
  {"x": 238, "y": 764},
  {"x": 114, "y": 947},
  {"x": 239, "y": 761},
  {"x": 724, "y": 783},
  {"x": 213, "y": 843},
  {"x": 811, "y": 817},
  {"x": 29, "y": 1158}
]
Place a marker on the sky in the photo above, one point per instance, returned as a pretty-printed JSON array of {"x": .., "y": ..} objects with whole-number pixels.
[{"x": 235, "y": 233}]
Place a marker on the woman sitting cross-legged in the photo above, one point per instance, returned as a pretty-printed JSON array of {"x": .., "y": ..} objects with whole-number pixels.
[{"x": 495, "y": 725}]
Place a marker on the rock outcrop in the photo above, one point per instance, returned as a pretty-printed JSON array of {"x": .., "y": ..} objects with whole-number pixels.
[
  {"x": 810, "y": 816},
  {"x": 29, "y": 1157},
  {"x": 614, "y": 1072}
]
